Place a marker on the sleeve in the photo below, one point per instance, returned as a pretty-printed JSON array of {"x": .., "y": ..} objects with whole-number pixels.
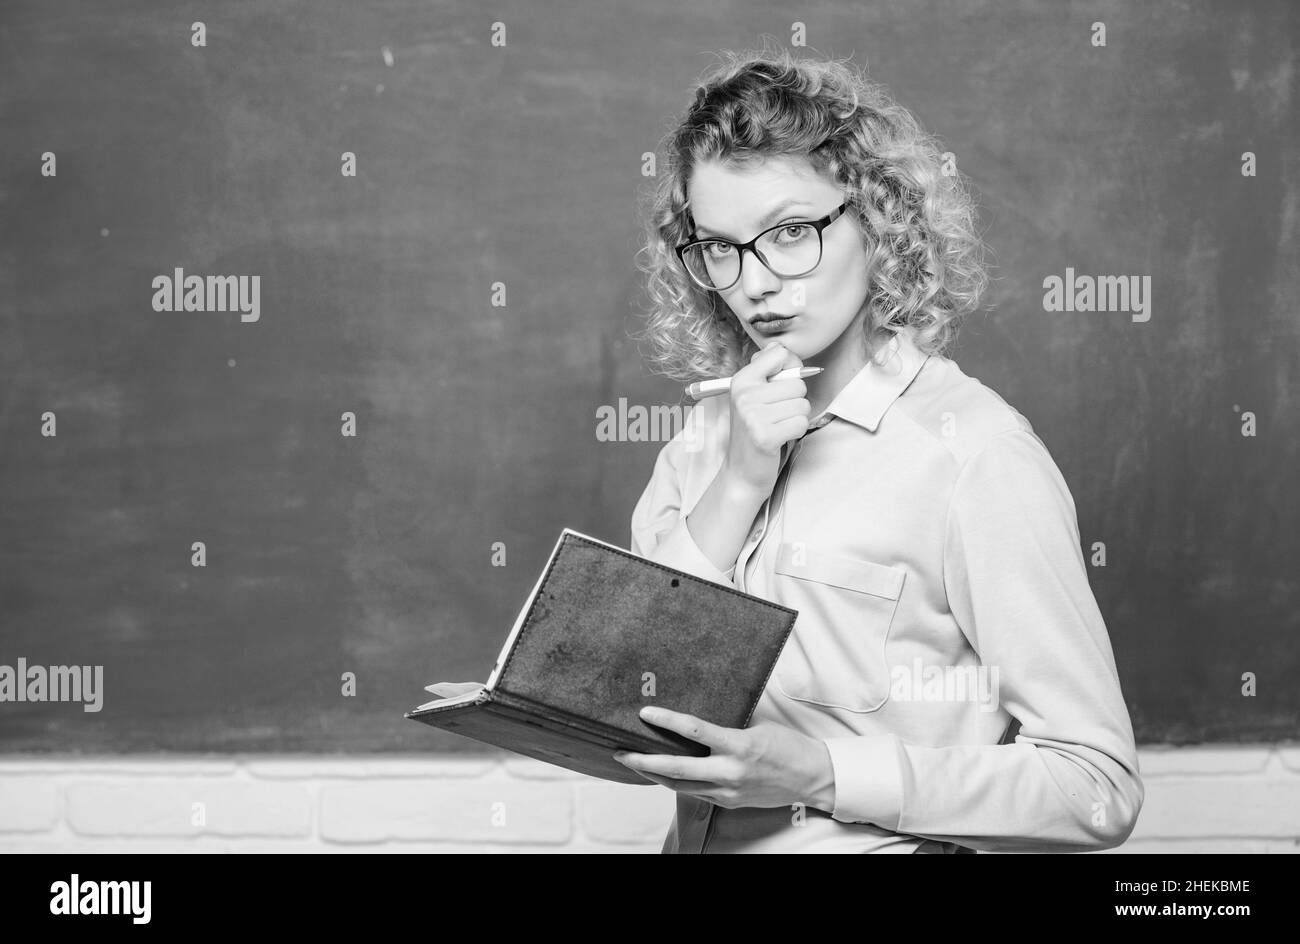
[
  {"x": 1018, "y": 587},
  {"x": 659, "y": 530}
]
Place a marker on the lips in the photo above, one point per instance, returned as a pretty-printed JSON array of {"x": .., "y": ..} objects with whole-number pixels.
[
  {"x": 772, "y": 325},
  {"x": 769, "y": 316}
]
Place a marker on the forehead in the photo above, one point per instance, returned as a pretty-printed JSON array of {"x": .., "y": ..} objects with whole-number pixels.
[{"x": 733, "y": 200}]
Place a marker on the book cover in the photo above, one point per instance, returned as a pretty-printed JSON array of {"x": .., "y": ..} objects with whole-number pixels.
[{"x": 604, "y": 633}]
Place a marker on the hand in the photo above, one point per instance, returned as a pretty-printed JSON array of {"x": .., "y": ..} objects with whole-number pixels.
[
  {"x": 766, "y": 765},
  {"x": 765, "y": 415}
]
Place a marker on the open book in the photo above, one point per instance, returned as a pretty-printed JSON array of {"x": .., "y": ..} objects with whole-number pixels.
[{"x": 604, "y": 633}]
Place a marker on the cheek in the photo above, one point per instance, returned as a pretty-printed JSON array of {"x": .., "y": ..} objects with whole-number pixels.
[
  {"x": 850, "y": 261},
  {"x": 843, "y": 278}
]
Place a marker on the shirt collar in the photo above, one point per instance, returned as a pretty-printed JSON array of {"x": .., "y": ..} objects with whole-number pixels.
[{"x": 865, "y": 399}]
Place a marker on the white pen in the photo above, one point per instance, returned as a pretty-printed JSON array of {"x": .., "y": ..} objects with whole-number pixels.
[{"x": 711, "y": 388}]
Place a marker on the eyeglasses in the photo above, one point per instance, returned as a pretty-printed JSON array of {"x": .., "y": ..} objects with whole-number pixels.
[{"x": 714, "y": 263}]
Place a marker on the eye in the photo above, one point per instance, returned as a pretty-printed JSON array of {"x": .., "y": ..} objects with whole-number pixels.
[
  {"x": 793, "y": 232},
  {"x": 716, "y": 250}
]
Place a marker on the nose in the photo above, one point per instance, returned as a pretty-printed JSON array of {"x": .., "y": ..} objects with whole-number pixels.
[{"x": 756, "y": 279}]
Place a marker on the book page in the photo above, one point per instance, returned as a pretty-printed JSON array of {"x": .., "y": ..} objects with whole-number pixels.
[{"x": 454, "y": 700}]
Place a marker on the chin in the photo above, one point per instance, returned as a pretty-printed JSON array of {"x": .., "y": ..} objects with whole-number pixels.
[
  {"x": 763, "y": 340},
  {"x": 794, "y": 341}
]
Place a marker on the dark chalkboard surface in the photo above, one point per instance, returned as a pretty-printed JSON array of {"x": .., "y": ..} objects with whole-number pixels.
[{"x": 373, "y": 554}]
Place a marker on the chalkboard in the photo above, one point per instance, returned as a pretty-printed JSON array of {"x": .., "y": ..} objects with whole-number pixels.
[{"x": 519, "y": 165}]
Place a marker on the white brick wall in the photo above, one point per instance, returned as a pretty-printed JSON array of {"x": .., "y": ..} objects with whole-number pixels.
[{"x": 1199, "y": 799}]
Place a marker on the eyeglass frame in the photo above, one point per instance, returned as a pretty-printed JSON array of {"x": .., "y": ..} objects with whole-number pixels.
[{"x": 752, "y": 246}]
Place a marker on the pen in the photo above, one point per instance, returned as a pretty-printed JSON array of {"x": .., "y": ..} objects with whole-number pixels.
[{"x": 711, "y": 388}]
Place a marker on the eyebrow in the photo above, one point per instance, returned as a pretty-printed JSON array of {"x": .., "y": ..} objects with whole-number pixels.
[{"x": 766, "y": 220}]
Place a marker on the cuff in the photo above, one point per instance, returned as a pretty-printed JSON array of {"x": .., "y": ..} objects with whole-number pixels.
[
  {"x": 678, "y": 549},
  {"x": 868, "y": 779}
]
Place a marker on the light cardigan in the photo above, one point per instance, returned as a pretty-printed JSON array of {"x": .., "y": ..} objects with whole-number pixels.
[{"x": 931, "y": 547}]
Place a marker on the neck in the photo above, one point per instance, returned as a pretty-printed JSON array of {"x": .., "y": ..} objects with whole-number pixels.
[{"x": 842, "y": 360}]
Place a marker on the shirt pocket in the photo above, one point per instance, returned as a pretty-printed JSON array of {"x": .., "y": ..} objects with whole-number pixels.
[{"x": 836, "y": 656}]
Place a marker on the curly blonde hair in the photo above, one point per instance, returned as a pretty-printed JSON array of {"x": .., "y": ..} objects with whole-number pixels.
[{"x": 927, "y": 260}]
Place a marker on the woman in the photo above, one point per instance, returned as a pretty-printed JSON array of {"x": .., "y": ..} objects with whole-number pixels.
[{"x": 910, "y": 515}]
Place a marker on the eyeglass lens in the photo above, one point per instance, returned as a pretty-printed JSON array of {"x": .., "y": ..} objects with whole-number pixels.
[{"x": 793, "y": 249}]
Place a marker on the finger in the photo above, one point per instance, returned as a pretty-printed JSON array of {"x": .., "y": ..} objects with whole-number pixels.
[
  {"x": 774, "y": 359},
  {"x": 791, "y": 428},
  {"x": 787, "y": 409},
  {"x": 696, "y": 788},
  {"x": 775, "y": 343},
  {"x": 697, "y": 729},
  {"x": 644, "y": 776},
  {"x": 672, "y": 766},
  {"x": 776, "y": 390}
]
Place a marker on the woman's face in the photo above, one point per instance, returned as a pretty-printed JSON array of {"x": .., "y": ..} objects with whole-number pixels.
[{"x": 826, "y": 304}]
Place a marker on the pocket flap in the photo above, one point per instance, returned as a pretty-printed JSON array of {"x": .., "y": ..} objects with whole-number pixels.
[{"x": 837, "y": 571}]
